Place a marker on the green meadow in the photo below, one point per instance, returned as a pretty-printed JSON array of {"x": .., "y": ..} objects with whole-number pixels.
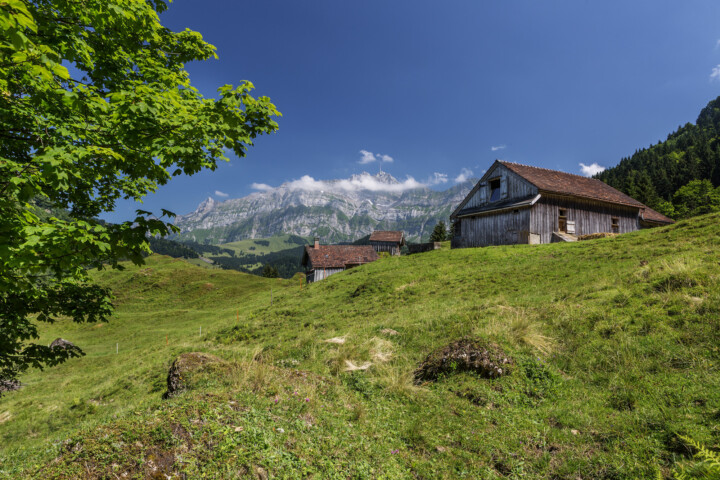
[
  {"x": 263, "y": 246},
  {"x": 615, "y": 345}
]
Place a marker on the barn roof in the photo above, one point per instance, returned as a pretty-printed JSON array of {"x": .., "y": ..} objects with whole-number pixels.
[
  {"x": 553, "y": 181},
  {"x": 338, "y": 256},
  {"x": 650, "y": 215},
  {"x": 386, "y": 236},
  {"x": 512, "y": 203}
]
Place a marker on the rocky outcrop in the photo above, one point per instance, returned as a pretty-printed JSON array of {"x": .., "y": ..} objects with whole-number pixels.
[
  {"x": 486, "y": 359},
  {"x": 344, "y": 210}
]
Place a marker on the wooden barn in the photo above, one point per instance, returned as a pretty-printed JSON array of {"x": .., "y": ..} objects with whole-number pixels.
[
  {"x": 321, "y": 261},
  {"x": 514, "y": 203},
  {"x": 387, "y": 241}
]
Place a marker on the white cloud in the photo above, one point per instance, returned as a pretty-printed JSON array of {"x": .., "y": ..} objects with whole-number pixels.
[
  {"x": 715, "y": 74},
  {"x": 368, "y": 182},
  {"x": 220, "y": 194},
  {"x": 437, "y": 179},
  {"x": 465, "y": 174},
  {"x": 356, "y": 183},
  {"x": 369, "y": 157},
  {"x": 264, "y": 187},
  {"x": 590, "y": 170},
  {"x": 717, "y": 44},
  {"x": 498, "y": 147}
]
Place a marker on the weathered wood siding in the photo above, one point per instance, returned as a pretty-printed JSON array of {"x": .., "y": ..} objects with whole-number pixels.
[
  {"x": 511, "y": 186},
  {"x": 393, "y": 248},
  {"x": 508, "y": 227},
  {"x": 589, "y": 216},
  {"x": 321, "y": 274}
]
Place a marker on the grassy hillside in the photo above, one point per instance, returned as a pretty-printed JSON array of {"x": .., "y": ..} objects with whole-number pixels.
[
  {"x": 614, "y": 347},
  {"x": 263, "y": 246},
  {"x": 160, "y": 311}
]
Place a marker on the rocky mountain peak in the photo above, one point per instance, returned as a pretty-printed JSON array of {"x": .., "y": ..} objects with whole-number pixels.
[
  {"x": 344, "y": 209},
  {"x": 205, "y": 206}
]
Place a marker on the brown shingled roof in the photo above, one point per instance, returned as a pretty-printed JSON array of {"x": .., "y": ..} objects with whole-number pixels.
[
  {"x": 563, "y": 183},
  {"x": 386, "y": 236},
  {"x": 338, "y": 256},
  {"x": 651, "y": 215}
]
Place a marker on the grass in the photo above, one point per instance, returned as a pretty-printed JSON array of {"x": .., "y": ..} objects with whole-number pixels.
[
  {"x": 161, "y": 309},
  {"x": 614, "y": 341}
]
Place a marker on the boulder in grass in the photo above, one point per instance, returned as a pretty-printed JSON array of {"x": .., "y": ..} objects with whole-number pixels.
[
  {"x": 184, "y": 366},
  {"x": 61, "y": 343},
  {"x": 8, "y": 385},
  {"x": 484, "y": 358}
]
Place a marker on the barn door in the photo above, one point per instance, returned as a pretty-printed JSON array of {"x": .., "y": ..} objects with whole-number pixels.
[{"x": 562, "y": 221}]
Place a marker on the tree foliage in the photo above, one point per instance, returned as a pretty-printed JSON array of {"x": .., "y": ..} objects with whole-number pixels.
[
  {"x": 163, "y": 246},
  {"x": 270, "y": 272},
  {"x": 698, "y": 197},
  {"x": 439, "y": 233},
  {"x": 95, "y": 106}
]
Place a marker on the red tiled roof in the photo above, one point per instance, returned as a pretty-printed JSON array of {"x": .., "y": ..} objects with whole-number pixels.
[
  {"x": 386, "y": 236},
  {"x": 338, "y": 256},
  {"x": 569, "y": 184},
  {"x": 651, "y": 215}
]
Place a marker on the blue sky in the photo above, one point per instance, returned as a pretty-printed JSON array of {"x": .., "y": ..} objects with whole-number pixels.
[{"x": 439, "y": 87}]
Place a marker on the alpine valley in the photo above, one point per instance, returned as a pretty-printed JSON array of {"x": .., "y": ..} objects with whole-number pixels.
[{"x": 341, "y": 210}]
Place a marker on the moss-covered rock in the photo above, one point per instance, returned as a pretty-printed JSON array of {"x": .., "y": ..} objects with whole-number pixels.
[{"x": 184, "y": 367}]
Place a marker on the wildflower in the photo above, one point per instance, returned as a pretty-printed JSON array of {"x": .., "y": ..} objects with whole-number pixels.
[
  {"x": 393, "y": 452},
  {"x": 280, "y": 429},
  {"x": 307, "y": 399}
]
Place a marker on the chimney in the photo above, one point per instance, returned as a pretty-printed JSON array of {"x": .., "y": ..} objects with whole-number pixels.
[{"x": 317, "y": 243}]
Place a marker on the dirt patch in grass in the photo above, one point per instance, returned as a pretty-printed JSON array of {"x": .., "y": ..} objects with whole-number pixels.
[
  {"x": 593, "y": 236},
  {"x": 467, "y": 354}
]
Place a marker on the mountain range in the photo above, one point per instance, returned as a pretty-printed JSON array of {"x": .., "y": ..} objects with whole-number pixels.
[{"x": 338, "y": 210}]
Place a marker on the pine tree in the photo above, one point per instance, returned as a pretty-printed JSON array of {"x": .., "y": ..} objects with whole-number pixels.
[{"x": 439, "y": 233}]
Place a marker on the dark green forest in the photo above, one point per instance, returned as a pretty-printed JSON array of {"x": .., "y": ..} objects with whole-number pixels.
[
  {"x": 679, "y": 176},
  {"x": 286, "y": 262},
  {"x": 170, "y": 248}
]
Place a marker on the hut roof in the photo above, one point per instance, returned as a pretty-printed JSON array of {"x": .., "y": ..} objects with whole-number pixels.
[
  {"x": 338, "y": 256},
  {"x": 553, "y": 181},
  {"x": 386, "y": 236},
  {"x": 651, "y": 215}
]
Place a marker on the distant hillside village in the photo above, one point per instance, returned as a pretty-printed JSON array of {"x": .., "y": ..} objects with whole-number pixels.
[{"x": 511, "y": 204}]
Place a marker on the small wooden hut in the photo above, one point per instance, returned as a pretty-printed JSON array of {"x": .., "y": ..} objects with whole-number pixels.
[
  {"x": 387, "y": 241},
  {"x": 321, "y": 261}
]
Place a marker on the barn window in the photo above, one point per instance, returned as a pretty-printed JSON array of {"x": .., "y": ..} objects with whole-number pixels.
[
  {"x": 495, "y": 190},
  {"x": 517, "y": 210},
  {"x": 615, "y": 225}
]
